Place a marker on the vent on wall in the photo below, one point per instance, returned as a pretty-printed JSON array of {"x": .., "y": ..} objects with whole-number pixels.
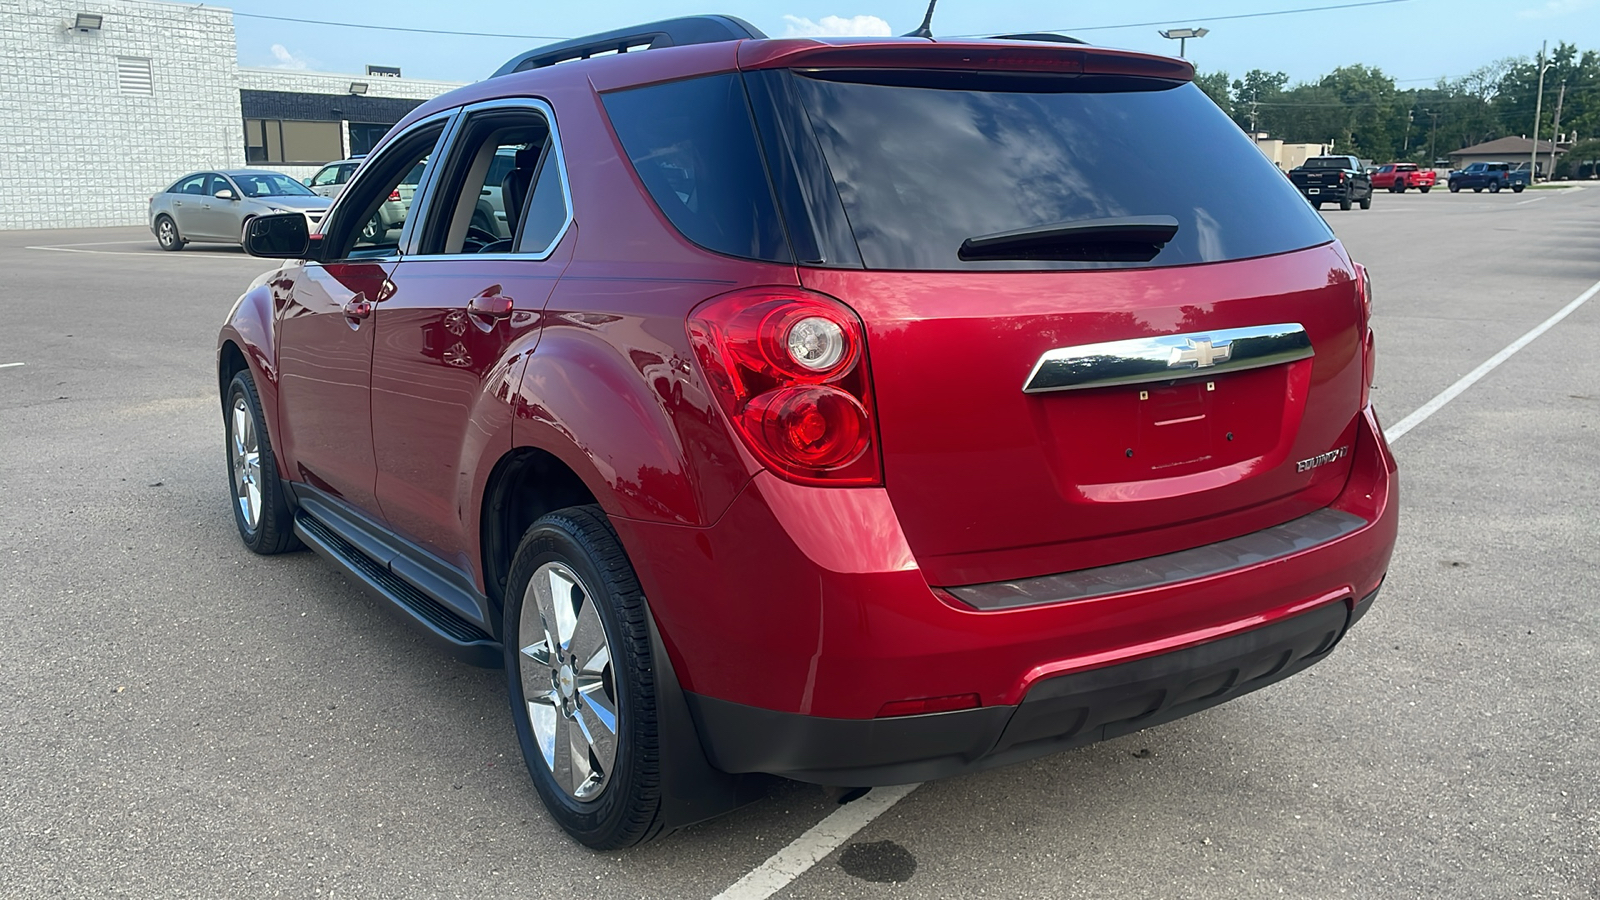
[{"x": 133, "y": 75}]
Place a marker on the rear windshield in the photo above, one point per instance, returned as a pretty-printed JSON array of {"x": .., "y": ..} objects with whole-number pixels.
[
  {"x": 1327, "y": 162},
  {"x": 837, "y": 168},
  {"x": 922, "y": 169}
]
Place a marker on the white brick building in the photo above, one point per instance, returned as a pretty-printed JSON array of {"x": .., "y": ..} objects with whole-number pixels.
[{"x": 94, "y": 120}]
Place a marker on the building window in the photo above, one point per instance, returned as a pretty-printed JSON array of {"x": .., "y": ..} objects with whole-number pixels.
[
  {"x": 363, "y": 136},
  {"x": 292, "y": 143},
  {"x": 133, "y": 75}
]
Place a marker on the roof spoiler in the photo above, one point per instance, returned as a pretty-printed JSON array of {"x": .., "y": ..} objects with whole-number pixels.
[{"x": 666, "y": 33}]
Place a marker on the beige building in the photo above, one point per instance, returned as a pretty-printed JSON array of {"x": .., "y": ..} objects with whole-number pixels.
[{"x": 1288, "y": 156}]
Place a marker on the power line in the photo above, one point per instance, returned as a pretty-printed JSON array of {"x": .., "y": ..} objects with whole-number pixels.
[
  {"x": 1254, "y": 15},
  {"x": 526, "y": 37}
]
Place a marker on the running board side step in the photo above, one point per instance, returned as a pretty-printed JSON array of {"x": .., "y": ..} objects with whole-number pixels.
[{"x": 466, "y": 641}]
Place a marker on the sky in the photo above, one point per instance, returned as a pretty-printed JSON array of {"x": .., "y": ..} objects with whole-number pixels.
[{"x": 1413, "y": 41}]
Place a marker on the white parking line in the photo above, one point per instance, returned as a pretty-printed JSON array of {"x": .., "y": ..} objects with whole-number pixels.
[
  {"x": 67, "y": 249},
  {"x": 839, "y": 826},
  {"x": 808, "y": 849},
  {"x": 1533, "y": 200},
  {"x": 1395, "y": 432},
  {"x": 11, "y": 365}
]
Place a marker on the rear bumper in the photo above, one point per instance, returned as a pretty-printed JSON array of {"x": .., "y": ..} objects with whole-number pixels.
[
  {"x": 1056, "y": 714},
  {"x": 794, "y": 619}
]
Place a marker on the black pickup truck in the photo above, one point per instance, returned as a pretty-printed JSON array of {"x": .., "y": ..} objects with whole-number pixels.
[{"x": 1333, "y": 178}]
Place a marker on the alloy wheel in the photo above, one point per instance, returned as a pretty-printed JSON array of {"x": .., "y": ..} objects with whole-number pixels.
[
  {"x": 167, "y": 233},
  {"x": 567, "y": 681},
  {"x": 246, "y": 454}
]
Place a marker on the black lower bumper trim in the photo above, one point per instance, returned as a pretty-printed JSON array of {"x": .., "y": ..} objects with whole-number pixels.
[{"x": 1066, "y": 711}]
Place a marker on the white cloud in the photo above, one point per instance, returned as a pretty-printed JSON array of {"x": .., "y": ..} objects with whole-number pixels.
[
  {"x": 287, "y": 60},
  {"x": 836, "y": 26},
  {"x": 1554, "y": 8}
]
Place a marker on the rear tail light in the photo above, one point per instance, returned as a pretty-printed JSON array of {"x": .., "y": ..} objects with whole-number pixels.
[
  {"x": 789, "y": 369},
  {"x": 394, "y": 196},
  {"x": 1368, "y": 343}
]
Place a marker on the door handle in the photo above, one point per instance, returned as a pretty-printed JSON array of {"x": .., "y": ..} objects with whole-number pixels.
[
  {"x": 495, "y": 306},
  {"x": 358, "y": 307}
]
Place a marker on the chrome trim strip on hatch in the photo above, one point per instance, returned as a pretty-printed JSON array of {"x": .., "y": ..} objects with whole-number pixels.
[{"x": 1167, "y": 357}]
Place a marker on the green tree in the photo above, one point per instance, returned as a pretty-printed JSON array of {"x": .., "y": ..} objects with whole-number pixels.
[
  {"x": 1249, "y": 92},
  {"x": 1215, "y": 84}
]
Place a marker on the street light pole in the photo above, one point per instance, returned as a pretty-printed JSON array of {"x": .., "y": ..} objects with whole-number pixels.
[
  {"x": 1538, "y": 111},
  {"x": 1182, "y": 35}
]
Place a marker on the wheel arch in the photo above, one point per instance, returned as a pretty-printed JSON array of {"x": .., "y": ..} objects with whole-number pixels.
[
  {"x": 247, "y": 343},
  {"x": 523, "y": 485}
]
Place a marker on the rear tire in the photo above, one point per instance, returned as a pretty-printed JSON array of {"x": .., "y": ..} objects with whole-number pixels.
[
  {"x": 260, "y": 504},
  {"x": 1400, "y": 187},
  {"x": 1477, "y": 190},
  {"x": 1345, "y": 203},
  {"x": 582, "y": 687},
  {"x": 1516, "y": 188},
  {"x": 1494, "y": 187},
  {"x": 167, "y": 233},
  {"x": 1366, "y": 202},
  {"x": 1317, "y": 204},
  {"x": 1425, "y": 188}
]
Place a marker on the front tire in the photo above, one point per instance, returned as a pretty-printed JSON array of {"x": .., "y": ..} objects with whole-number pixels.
[
  {"x": 1455, "y": 188},
  {"x": 260, "y": 504},
  {"x": 581, "y": 680},
  {"x": 167, "y": 234}
]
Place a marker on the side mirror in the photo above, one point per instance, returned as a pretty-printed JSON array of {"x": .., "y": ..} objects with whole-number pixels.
[
  {"x": 225, "y": 194},
  {"x": 280, "y": 236}
]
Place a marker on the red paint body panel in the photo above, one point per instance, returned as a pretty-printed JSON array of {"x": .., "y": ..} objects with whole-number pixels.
[
  {"x": 324, "y": 366},
  {"x": 442, "y": 381},
  {"x": 815, "y": 589},
  {"x": 994, "y": 484}
]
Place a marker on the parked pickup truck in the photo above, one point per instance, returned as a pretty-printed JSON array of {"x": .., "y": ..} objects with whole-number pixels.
[
  {"x": 1491, "y": 175},
  {"x": 1397, "y": 178},
  {"x": 1333, "y": 178}
]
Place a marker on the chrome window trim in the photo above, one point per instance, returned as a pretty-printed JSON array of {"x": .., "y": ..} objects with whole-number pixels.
[
  {"x": 447, "y": 116},
  {"x": 409, "y": 239},
  {"x": 1167, "y": 357}
]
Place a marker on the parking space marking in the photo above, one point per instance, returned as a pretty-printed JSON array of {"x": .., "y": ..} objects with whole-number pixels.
[
  {"x": 148, "y": 255},
  {"x": 1395, "y": 432},
  {"x": 808, "y": 849},
  {"x": 11, "y": 365},
  {"x": 839, "y": 826},
  {"x": 1532, "y": 200}
]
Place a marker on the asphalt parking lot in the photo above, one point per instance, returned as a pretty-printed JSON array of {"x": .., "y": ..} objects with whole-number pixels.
[{"x": 181, "y": 718}]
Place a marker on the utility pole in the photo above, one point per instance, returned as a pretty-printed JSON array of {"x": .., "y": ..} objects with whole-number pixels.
[
  {"x": 1405, "y": 145},
  {"x": 1538, "y": 110},
  {"x": 1431, "y": 133},
  {"x": 1555, "y": 130}
]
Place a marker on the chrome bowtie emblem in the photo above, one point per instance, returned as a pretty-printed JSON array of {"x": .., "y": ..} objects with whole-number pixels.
[{"x": 1200, "y": 353}]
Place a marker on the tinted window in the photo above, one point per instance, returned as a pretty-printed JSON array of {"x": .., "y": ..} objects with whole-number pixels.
[
  {"x": 922, "y": 169},
  {"x": 547, "y": 210},
  {"x": 270, "y": 184},
  {"x": 695, "y": 150},
  {"x": 190, "y": 185}
]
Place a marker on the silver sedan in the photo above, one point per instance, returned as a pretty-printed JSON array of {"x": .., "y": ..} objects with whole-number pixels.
[{"x": 216, "y": 206}]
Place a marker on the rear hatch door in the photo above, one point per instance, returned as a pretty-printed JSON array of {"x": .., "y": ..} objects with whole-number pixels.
[{"x": 1114, "y": 455}]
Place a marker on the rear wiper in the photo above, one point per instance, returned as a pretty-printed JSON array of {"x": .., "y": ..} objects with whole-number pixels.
[{"x": 1127, "y": 239}]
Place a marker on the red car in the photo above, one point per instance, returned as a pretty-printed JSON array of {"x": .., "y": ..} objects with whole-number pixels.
[
  {"x": 858, "y": 412},
  {"x": 1397, "y": 178}
]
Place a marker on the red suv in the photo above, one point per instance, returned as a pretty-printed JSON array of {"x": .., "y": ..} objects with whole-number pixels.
[{"x": 858, "y": 412}]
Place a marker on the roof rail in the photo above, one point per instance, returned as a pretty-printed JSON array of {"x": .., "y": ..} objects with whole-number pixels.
[{"x": 666, "y": 33}]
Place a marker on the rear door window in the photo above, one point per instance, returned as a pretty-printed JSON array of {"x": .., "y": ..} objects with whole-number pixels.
[{"x": 921, "y": 169}]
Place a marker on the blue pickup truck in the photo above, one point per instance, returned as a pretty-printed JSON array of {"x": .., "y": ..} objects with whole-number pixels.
[{"x": 1491, "y": 175}]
